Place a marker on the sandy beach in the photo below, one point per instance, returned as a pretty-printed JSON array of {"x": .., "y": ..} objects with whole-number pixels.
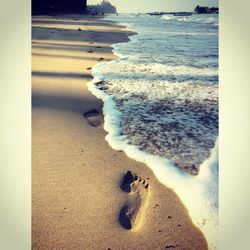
[{"x": 83, "y": 196}]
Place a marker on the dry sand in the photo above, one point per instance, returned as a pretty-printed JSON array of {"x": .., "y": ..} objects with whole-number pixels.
[{"x": 80, "y": 198}]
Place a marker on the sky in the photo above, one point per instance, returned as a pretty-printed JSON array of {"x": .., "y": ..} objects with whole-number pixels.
[{"x": 129, "y": 6}]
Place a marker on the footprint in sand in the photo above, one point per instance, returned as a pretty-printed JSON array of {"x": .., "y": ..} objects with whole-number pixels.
[
  {"x": 94, "y": 118},
  {"x": 131, "y": 213}
]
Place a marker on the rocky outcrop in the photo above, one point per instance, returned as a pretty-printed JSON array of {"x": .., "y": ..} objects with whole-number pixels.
[{"x": 206, "y": 10}]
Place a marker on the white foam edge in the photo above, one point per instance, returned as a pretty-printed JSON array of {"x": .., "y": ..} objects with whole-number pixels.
[
  {"x": 192, "y": 190},
  {"x": 127, "y": 27}
]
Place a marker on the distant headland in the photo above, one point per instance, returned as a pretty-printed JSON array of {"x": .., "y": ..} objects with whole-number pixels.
[
  {"x": 198, "y": 10},
  {"x": 48, "y": 7},
  {"x": 206, "y": 10}
]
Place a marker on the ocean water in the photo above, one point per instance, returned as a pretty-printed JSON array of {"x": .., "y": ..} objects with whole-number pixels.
[{"x": 161, "y": 106}]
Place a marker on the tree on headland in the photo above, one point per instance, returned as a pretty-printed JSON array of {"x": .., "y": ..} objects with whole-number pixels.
[
  {"x": 206, "y": 10},
  {"x": 103, "y": 7},
  {"x": 58, "y": 6}
]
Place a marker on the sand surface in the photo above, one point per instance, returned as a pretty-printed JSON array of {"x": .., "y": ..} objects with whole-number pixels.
[{"x": 78, "y": 195}]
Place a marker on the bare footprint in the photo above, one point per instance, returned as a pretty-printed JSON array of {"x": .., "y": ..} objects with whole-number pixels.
[
  {"x": 131, "y": 213},
  {"x": 94, "y": 118}
]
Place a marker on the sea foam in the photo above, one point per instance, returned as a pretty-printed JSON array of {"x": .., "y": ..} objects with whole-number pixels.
[
  {"x": 198, "y": 193},
  {"x": 195, "y": 18}
]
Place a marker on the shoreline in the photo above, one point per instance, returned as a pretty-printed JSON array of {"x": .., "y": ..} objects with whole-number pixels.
[
  {"x": 76, "y": 175},
  {"x": 202, "y": 202}
]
